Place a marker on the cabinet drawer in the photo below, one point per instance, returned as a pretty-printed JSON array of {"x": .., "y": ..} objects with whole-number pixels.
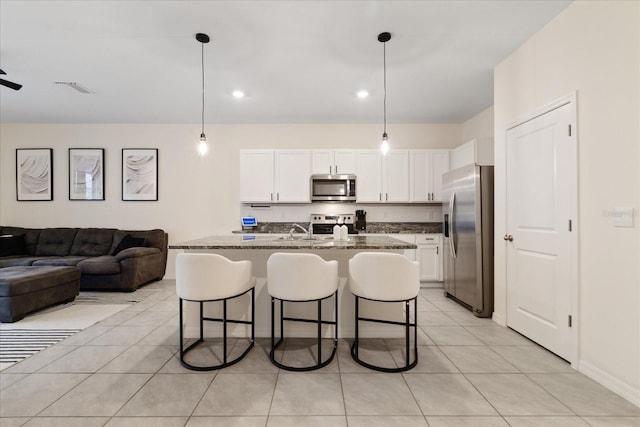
[{"x": 425, "y": 239}]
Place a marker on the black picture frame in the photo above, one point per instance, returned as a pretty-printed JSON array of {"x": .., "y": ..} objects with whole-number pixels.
[
  {"x": 34, "y": 174},
  {"x": 139, "y": 174},
  {"x": 86, "y": 173}
]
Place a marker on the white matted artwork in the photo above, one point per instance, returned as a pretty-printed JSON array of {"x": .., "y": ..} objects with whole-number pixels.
[
  {"x": 86, "y": 173},
  {"x": 140, "y": 174},
  {"x": 34, "y": 174}
]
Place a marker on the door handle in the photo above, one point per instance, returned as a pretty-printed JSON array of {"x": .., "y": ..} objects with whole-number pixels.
[
  {"x": 508, "y": 237},
  {"x": 452, "y": 246}
]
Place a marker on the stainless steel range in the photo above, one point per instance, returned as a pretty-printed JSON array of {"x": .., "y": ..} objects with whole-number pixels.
[{"x": 323, "y": 223}]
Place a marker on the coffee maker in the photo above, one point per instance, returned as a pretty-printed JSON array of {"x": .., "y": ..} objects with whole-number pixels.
[{"x": 361, "y": 220}]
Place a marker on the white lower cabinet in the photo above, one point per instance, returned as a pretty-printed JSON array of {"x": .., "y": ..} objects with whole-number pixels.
[{"x": 429, "y": 255}]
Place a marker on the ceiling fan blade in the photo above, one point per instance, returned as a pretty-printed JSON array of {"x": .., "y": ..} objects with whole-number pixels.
[
  {"x": 12, "y": 85},
  {"x": 2, "y": 72}
]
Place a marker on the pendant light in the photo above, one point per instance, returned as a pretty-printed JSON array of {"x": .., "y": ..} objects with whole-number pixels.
[
  {"x": 384, "y": 143},
  {"x": 203, "y": 148}
]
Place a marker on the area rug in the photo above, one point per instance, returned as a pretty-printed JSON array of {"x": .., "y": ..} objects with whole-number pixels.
[
  {"x": 18, "y": 344},
  {"x": 47, "y": 327}
]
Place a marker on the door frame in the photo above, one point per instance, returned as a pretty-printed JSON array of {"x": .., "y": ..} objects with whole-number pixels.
[{"x": 570, "y": 99}]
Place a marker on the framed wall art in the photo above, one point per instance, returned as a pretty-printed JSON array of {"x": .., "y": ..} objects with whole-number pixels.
[
  {"x": 34, "y": 174},
  {"x": 86, "y": 174},
  {"x": 140, "y": 174}
]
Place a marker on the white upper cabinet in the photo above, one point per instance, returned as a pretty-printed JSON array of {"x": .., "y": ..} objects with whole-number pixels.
[
  {"x": 257, "y": 171},
  {"x": 275, "y": 176},
  {"x": 395, "y": 173},
  {"x": 369, "y": 176},
  {"x": 382, "y": 178},
  {"x": 426, "y": 169},
  {"x": 477, "y": 151},
  {"x": 333, "y": 162},
  {"x": 293, "y": 171}
]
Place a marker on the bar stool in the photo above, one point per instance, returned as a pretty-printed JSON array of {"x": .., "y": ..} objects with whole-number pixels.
[
  {"x": 207, "y": 278},
  {"x": 302, "y": 277},
  {"x": 385, "y": 277}
]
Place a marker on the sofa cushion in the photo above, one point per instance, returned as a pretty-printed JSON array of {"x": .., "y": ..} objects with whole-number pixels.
[
  {"x": 20, "y": 260},
  {"x": 92, "y": 242},
  {"x": 153, "y": 238},
  {"x": 55, "y": 241},
  {"x": 105, "y": 264},
  {"x": 127, "y": 242},
  {"x": 25, "y": 280},
  {"x": 30, "y": 236},
  {"x": 68, "y": 261},
  {"x": 12, "y": 245}
]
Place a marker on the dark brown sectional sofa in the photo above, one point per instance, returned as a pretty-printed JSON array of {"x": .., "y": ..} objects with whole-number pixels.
[{"x": 108, "y": 259}]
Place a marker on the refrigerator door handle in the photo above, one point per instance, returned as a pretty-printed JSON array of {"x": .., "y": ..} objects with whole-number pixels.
[{"x": 451, "y": 225}]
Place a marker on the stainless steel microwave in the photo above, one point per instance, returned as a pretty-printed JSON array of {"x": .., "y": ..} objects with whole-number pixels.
[{"x": 333, "y": 188}]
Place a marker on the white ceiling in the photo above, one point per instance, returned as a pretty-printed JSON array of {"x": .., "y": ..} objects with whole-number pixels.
[{"x": 298, "y": 61}]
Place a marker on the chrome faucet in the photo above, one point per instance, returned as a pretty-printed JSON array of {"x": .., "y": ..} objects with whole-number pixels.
[{"x": 309, "y": 231}]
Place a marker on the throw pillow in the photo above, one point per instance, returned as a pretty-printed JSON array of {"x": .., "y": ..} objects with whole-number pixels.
[
  {"x": 128, "y": 241},
  {"x": 12, "y": 245}
]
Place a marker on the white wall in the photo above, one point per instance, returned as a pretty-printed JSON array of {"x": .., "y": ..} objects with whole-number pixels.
[
  {"x": 478, "y": 126},
  {"x": 197, "y": 196},
  {"x": 593, "y": 48}
]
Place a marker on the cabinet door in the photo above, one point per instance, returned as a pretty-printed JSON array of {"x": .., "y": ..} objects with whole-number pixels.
[
  {"x": 429, "y": 259},
  {"x": 419, "y": 175},
  {"x": 396, "y": 176},
  {"x": 439, "y": 166},
  {"x": 369, "y": 176},
  {"x": 256, "y": 175},
  {"x": 344, "y": 162},
  {"x": 322, "y": 162},
  {"x": 293, "y": 171}
]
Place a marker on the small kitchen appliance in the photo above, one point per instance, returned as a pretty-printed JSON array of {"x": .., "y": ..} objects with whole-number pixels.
[
  {"x": 333, "y": 188},
  {"x": 249, "y": 223},
  {"x": 361, "y": 220},
  {"x": 323, "y": 223}
]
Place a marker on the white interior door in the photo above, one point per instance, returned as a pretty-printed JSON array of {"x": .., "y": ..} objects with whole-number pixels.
[{"x": 540, "y": 185}]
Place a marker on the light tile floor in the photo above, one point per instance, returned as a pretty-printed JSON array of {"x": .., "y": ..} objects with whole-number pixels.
[{"x": 123, "y": 371}]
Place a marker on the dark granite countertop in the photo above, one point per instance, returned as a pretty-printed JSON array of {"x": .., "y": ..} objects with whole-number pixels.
[
  {"x": 249, "y": 241},
  {"x": 372, "y": 227}
]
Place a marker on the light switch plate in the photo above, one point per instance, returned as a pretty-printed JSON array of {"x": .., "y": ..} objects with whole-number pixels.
[{"x": 623, "y": 217}]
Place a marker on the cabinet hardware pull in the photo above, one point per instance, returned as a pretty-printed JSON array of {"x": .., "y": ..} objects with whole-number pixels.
[
  {"x": 386, "y": 197},
  {"x": 437, "y": 247},
  {"x": 278, "y": 196},
  {"x": 272, "y": 197},
  {"x": 380, "y": 196},
  {"x": 330, "y": 169},
  {"x": 336, "y": 169}
]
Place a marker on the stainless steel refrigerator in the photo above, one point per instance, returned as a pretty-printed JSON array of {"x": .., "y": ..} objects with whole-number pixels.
[{"x": 467, "y": 208}]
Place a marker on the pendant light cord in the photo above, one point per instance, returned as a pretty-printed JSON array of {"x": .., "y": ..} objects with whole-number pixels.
[
  {"x": 384, "y": 65},
  {"x": 202, "y": 58}
]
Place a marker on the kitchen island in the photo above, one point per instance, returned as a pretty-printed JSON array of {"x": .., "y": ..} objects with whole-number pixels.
[{"x": 257, "y": 249}]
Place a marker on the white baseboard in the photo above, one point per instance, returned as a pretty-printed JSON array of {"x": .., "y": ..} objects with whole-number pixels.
[
  {"x": 499, "y": 319},
  {"x": 610, "y": 382}
]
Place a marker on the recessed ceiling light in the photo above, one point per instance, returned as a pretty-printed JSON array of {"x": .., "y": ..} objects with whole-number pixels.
[
  {"x": 237, "y": 94},
  {"x": 362, "y": 94}
]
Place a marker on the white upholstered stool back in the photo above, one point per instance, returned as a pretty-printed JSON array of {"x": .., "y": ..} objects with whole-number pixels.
[
  {"x": 383, "y": 276},
  {"x": 301, "y": 276}
]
